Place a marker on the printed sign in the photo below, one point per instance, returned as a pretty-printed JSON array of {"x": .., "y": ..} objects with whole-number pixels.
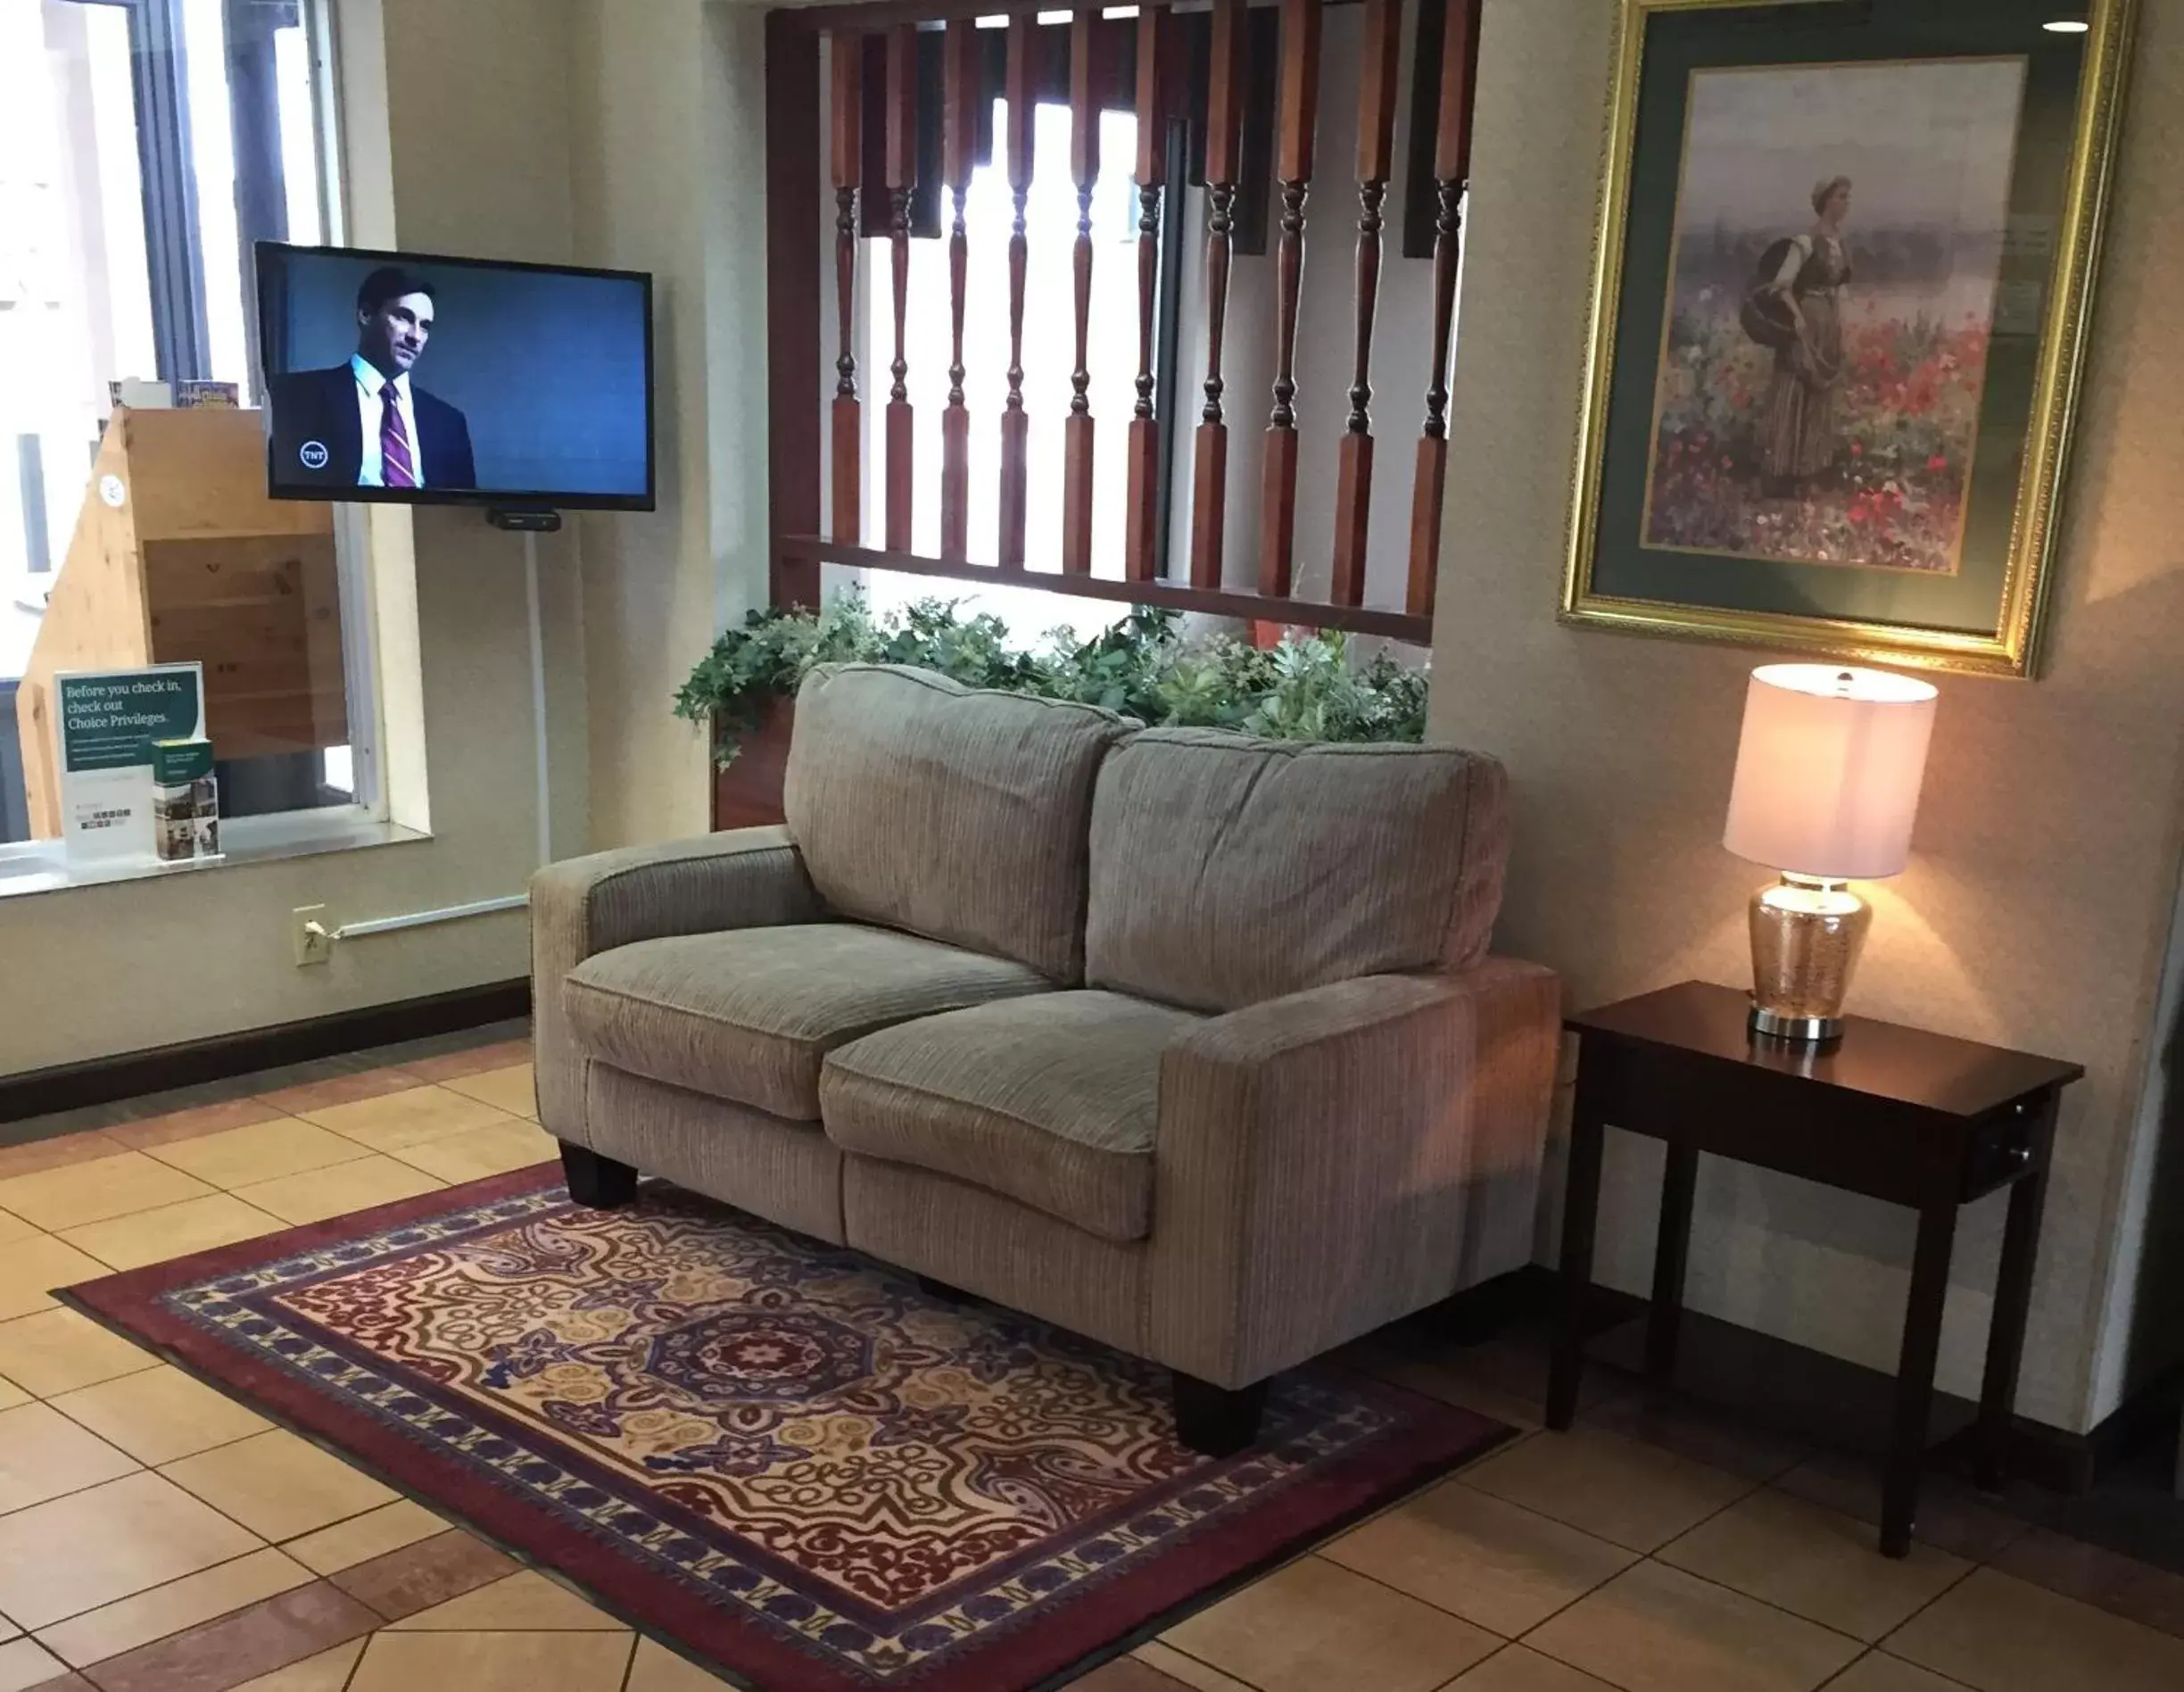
[{"x": 106, "y": 721}]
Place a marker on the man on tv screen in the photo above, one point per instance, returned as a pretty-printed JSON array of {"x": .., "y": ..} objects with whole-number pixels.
[{"x": 365, "y": 423}]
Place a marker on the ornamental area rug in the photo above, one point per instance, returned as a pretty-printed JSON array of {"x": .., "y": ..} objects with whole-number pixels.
[{"x": 789, "y": 1460}]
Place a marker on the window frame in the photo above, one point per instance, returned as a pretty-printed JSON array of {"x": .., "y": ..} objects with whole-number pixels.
[{"x": 181, "y": 342}]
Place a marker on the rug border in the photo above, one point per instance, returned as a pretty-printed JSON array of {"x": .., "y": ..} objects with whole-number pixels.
[{"x": 1049, "y": 1653}]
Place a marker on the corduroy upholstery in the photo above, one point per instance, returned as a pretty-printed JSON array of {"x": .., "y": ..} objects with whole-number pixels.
[
  {"x": 952, "y": 814},
  {"x": 747, "y": 1014},
  {"x": 747, "y": 878},
  {"x": 1227, "y": 870},
  {"x": 1329, "y": 1161},
  {"x": 787, "y": 1172},
  {"x": 1183, "y": 1040},
  {"x": 971, "y": 1238},
  {"x": 1051, "y": 1100}
]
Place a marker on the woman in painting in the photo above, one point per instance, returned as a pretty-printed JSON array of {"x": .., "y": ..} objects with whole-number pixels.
[{"x": 1797, "y": 433}]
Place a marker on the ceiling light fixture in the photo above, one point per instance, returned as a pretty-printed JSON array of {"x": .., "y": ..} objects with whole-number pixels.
[{"x": 2067, "y": 26}]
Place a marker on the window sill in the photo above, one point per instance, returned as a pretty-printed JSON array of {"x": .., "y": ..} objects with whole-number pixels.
[{"x": 42, "y": 867}]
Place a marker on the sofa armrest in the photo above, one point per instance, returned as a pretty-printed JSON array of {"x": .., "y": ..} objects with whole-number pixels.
[
  {"x": 1334, "y": 1159},
  {"x": 744, "y": 878}
]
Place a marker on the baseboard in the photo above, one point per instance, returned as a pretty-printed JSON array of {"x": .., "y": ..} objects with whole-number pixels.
[{"x": 102, "y": 1080}]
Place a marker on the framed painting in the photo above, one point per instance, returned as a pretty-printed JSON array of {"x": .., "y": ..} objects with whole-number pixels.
[{"x": 1840, "y": 307}]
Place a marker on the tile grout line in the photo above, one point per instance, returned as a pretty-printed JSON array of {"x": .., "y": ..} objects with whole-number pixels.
[
  {"x": 1972, "y": 1567},
  {"x": 1205, "y": 1662},
  {"x": 1875, "y": 1651},
  {"x": 1653, "y": 1556},
  {"x": 226, "y": 1562}
]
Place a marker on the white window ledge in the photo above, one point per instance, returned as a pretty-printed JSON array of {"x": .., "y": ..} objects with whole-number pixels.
[{"x": 42, "y": 867}]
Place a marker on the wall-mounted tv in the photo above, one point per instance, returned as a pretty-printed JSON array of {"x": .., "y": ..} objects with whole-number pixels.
[{"x": 420, "y": 378}]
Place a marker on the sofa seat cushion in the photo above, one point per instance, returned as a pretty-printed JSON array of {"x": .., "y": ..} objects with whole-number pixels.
[
  {"x": 749, "y": 1014},
  {"x": 1052, "y": 1101}
]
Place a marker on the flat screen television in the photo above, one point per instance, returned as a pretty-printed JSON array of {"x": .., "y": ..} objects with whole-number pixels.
[{"x": 420, "y": 378}]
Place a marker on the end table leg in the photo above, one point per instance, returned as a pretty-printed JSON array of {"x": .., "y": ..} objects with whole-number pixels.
[
  {"x": 2013, "y": 1302},
  {"x": 1671, "y": 1253},
  {"x": 1580, "y": 1215},
  {"x": 1915, "y": 1373}
]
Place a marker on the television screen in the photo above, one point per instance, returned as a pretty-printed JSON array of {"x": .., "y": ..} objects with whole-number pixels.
[{"x": 397, "y": 375}]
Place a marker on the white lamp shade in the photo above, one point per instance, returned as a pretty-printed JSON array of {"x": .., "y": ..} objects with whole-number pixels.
[{"x": 1828, "y": 770}]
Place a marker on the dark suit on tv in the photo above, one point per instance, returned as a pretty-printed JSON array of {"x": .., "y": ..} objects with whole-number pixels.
[{"x": 317, "y": 437}]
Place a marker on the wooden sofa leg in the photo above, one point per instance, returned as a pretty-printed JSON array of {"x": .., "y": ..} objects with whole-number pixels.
[
  {"x": 1217, "y": 1421},
  {"x": 600, "y": 1182}
]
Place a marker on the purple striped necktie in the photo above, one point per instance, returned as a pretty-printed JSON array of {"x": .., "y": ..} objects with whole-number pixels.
[{"x": 398, "y": 465}]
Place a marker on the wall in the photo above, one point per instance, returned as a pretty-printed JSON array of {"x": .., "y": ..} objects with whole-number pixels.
[
  {"x": 2035, "y": 910},
  {"x": 670, "y": 134},
  {"x": 435, "y": 164}
]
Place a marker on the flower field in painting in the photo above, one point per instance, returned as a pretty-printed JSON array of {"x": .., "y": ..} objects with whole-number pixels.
[{"x": 1907, "y": 416}]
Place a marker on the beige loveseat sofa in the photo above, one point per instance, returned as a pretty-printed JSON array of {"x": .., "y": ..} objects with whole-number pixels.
[{"x": 1184, "y": 1040}]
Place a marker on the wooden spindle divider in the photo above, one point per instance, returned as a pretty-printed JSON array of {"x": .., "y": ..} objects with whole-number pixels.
[
  {"x": 1018, "y": 89},
  {"x": 1297, "y": 111},
  {"x": 901, "y": 180},
  {"x": 960, "y": 75},
  {"x": 1451, "y": 171},
  {"x": 1141, "y": 548},
  {"x": 1078, "y": 433},
  {"x": 1223, "y": 151},
  {"x": 846, "y": 98},
  {"x": 1382, "y": 46}
]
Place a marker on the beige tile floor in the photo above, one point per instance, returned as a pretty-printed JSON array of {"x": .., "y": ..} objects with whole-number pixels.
[{"x": 157, "y": 1537}]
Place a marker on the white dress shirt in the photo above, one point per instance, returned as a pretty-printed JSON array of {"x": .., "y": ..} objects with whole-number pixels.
[{"x": 371, "y": 410}]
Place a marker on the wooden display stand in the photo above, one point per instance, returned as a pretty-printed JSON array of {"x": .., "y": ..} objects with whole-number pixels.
[{"x": 178, "y": 555}]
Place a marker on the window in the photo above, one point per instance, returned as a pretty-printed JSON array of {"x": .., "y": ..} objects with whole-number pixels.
[{"x": 145, "y": 146}]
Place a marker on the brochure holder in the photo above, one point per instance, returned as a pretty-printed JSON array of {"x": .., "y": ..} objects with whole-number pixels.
[{"x": 177, "y": 556}]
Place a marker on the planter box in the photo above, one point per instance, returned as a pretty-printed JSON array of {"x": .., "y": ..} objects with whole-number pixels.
[{"x": 749, "y": 791}]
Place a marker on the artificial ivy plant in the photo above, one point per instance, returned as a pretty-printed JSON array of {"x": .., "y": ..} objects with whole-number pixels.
[{"x": 1306, "y": 688}]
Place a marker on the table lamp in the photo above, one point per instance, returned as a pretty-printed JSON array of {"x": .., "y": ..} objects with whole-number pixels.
[{"x": 1827, "y": 783}]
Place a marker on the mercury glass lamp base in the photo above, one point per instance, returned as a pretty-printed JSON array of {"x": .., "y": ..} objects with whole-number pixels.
[{"x": 1807, "y": 933}]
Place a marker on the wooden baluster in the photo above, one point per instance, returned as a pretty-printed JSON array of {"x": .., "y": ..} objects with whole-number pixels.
[
  {"x": 961, "y": 77},
  {"x": 1156, "y": 49},
  {"x": 1015, "y": 426},
  {"x": 1076, "y": 434},
  {"x": 1298, "y": 107},
  {"x": 1382, "y": 44},
  {"x": 846, "y": 98},
  {"x": 1451, "y": 170},
  {"x": 1210, "y": 479},
  {"x": 901, "y": 178}
]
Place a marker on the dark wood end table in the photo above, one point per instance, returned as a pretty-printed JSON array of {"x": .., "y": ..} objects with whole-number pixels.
[{"x": 1891, "y": 1112}]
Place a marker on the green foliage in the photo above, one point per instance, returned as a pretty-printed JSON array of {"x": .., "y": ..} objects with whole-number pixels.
[{"x": 1307, "y": 688}]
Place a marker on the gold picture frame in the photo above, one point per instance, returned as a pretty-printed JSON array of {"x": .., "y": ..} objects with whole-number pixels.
[{"x": 2010, "y": 647}]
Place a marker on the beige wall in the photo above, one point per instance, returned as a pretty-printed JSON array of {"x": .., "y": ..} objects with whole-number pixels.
[
  {"x": 669, "y": 145},
  {"x": 2036, "y": 907},
  {"x": 458, "y": 133}
]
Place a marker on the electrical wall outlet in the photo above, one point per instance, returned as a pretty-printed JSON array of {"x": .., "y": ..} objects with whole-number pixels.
[{"x": 312, "y": 934}]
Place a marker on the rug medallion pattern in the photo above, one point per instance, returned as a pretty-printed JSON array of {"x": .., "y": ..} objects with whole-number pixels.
[{"x": 884, "y": 1484}]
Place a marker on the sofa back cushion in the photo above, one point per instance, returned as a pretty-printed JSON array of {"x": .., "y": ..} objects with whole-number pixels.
[
  {"x": 1227, "y": 870},
  {"x": 958, "y": 815}
]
